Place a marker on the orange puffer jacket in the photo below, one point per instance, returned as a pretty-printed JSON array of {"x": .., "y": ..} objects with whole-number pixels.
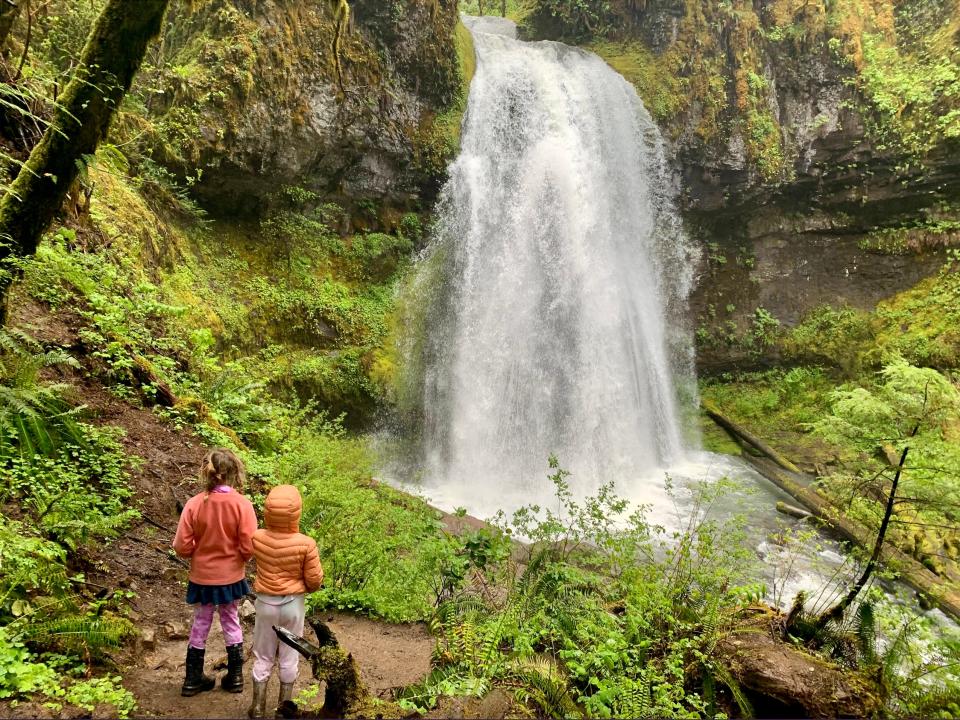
[{"x": 287, "y": 560}]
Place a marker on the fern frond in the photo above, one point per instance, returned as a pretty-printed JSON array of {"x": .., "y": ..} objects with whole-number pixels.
[
  {"x": 866, "y": 631},
  {"x": 76, "y": 632},
  {"x": 543, "y": 683},
  {"x": 723, "y": 674}
]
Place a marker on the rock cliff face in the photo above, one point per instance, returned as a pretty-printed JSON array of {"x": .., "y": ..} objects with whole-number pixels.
[
  {"x": 796, "y": 196},
  {"x": 845, "y": 229},
  {"x": 253, "y": 99}
]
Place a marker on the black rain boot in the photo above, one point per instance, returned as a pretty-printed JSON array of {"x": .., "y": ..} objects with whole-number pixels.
[
  {"x": 233, "y": 680},
  {"x": 286, "y": 707},
  {"x": 195, "y": 681}
]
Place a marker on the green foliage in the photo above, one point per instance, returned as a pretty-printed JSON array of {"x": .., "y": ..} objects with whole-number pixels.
[
  {"x": 574, "y": 20},
  {"x": 76, "y": 495},
  {"x": 839, "y": 337},
  {"x": 34, "y": 417},
  {"x": 21, "y": 674},
  {"x": 914, "y": 93},
  {"x": 602, "y": 611},
  {"x": 383, "y": 552},
  {"x": 72, "y": 496}
]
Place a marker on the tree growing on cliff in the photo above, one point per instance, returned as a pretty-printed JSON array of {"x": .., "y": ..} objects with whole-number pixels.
[{"x": 111, "y": 57}]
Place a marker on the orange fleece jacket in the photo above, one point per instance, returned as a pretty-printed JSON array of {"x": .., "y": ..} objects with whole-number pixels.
[
  {"x": 287, "y": 560},
  {"x": 216, "y": 533}
]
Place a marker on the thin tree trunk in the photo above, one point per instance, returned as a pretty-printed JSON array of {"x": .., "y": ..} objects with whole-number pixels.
[
  {"x": 111, "y": 57},
  {"x": 837, "y": 611}
]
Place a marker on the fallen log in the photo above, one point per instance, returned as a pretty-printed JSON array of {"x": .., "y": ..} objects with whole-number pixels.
[
  {"x": 800, "y": 684},
  {"x": 800, "y": 486},
  {"x": 911, "y": 572},
  {"x": 792, "y": 510},
  {"x": 745, "y": 436}
]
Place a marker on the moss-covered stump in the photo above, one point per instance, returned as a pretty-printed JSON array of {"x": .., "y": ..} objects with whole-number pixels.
[
  {"x": 346, "y": 695},
  {"x": 783, "y": 680}
]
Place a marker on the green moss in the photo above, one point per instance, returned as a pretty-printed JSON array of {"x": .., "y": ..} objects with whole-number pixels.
[
  {"x": 437, "y": 141},
  {"x": 716, "y": 439},
  {"x": 658, "y": 84}
]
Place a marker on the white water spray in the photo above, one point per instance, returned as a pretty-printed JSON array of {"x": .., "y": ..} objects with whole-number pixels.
[{"x": 560, "y": 326}]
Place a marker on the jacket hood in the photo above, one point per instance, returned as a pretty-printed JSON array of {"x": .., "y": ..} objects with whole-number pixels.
[{"x": 281, "y": 511}]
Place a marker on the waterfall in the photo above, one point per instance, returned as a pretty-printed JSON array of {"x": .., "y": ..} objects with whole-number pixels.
[{"x": 558, "y": 325}]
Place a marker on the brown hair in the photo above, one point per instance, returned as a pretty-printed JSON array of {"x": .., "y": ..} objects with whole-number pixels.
[{"x": 222, "y": 467}]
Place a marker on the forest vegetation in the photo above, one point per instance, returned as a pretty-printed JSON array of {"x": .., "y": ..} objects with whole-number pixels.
[{"x": 208, "y": 262}]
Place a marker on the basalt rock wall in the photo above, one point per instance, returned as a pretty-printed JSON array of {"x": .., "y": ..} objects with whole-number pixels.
[{"x": 257, "y": 95}]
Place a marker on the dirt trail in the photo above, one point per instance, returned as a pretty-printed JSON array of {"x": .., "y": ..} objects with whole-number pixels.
[
  {"x": 389, "y": 656},
  {"x": 141, "y": 560}
]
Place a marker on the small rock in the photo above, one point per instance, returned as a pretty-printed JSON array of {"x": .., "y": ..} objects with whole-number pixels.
[
  {"x": 148, "y": 639},
  {"x": 175, "y": 630},
  {"x": 247, "y": 609},
  {"x": 170, "y": 573}
]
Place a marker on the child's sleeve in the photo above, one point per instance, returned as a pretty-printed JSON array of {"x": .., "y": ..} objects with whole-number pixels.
[
  {"x": 184, "y": 542},
  {"x": 248, "y": 526},
  {"x": 312, "y": 569}
]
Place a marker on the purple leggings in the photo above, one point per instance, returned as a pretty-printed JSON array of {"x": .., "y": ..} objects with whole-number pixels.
[{"x": 229, "y": 623}]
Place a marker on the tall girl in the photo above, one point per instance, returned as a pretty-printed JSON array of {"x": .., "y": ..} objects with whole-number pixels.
[{"x": 216, "y": 532}]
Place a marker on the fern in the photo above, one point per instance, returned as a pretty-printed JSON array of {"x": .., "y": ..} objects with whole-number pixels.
[
  {"x": 541, "y": 682},
  {"x": 892, "y": 658},
  {"x": 866, "y": 631},
  {"x": 79, "y": 633},
  {"x": 34, "y": 418}
]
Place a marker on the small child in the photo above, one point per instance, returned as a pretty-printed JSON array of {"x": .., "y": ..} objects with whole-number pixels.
[
  {"x": 216, "y": 532},
  {"x": 288, "y": 566}
]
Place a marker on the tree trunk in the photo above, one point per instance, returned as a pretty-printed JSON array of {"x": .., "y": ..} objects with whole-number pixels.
[
  {"x": 111, "y": 58},
  {"x": 8, "y": 14},
  {"x": 837, "y": 611}
]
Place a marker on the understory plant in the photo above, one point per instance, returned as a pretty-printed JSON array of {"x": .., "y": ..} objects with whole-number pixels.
[
  {"x": 600, "y": 613},
  {"x": 384, "y": 552},
  {"x": 63, "y": 488}
]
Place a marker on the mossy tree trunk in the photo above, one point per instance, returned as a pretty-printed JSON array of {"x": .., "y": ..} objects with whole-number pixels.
[
  {"x": 111, "y": 57},
  {"x": 8, "y": 14}
]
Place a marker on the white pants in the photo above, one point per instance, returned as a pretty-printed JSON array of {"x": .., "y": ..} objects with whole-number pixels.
[{"x": 286, "y": 611}]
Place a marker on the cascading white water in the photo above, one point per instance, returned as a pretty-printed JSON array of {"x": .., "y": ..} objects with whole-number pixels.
[
  {"x": 556, "y": 287},
  {"x": 566, "y": 273}
]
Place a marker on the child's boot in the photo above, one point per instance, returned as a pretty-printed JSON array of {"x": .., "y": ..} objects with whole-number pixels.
[
  {"x": 233, "y": 680},
  {"x": 258, "y": 706},
  {"x": 195, "y": 681},
  {"x": 285, "y": 705}
]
